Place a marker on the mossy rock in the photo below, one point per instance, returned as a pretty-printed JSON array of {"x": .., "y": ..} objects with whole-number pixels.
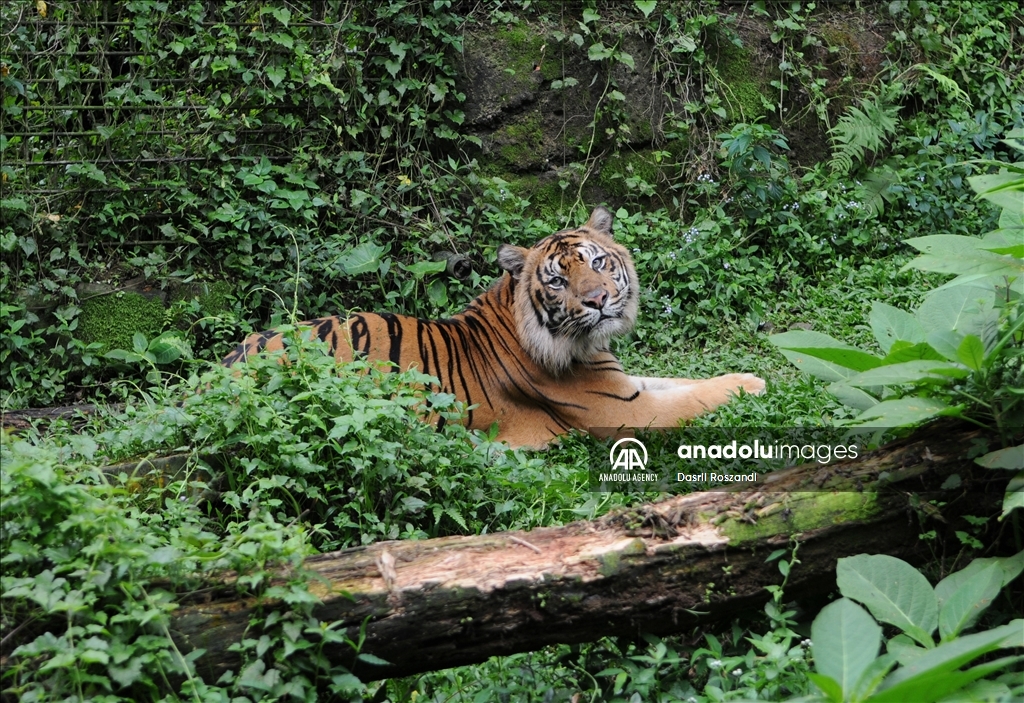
[
  {"x": 548, "y": 201},
  {"x": 213, "y": 297},
  {"x": 618, "y": 168},
  {"x": 746, "y": 92},
  {"x": 113, "y": 319},
  {"x": 521, "y": 144}
]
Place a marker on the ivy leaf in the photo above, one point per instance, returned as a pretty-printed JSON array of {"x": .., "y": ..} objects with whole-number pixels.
[
  {"x": 276, "y": 74},
  {"x": 646, "y": 6},
  {"x": 590, "y": 16}
]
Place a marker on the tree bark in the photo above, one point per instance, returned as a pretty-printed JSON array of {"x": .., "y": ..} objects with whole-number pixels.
[{"x": 657, "y": 568}]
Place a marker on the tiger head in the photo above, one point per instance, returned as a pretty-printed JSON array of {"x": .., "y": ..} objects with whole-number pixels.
[{"x": 574, "y": 291}]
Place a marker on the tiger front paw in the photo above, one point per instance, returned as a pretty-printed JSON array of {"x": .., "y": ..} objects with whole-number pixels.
[{"x": 747, "y": 381}]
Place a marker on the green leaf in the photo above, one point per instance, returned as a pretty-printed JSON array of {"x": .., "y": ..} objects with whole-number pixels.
[
  {"x": 1008, "y": 238},
  {"x": 598, "y": 51},
  {"x": 128, "y": 674},
  {"x": 906, "y": 372},
  {"x": 954, "y": 309},
  {"x": 873, "y": 676},
  {"x": 1014, "y": 497},
  {"x": 951, "y": 253},
  {"x": 904, "y": 649},
  {"x": 927, "y": 677},
  {"x": 364, "y": 258},
  {"x": 1008, "y": 458},
  {"x": 437, "y": 292},
  {"x": 590, "y": 16},
  {"x": 824, "y": 370},
  {"x": 276, "y": 74},
  {"x": 826, "y": 348},
  {"x": 852, "y": 397},
  {"x": 900, "y": 413},
  {"x": 139, "y": 343},
  {"x": 828, "y": 685},
  {"x": 1011, "y": 567},
  {"x": 971, "y": 352},
  {"x": 894, "y": 592},
  {"x": 646, "y": 6},
  {"x": 905, "y": 351},
  {"x": 962, "y": 606},
  {"x": 424, "y": 268},
  {"x": 845, "y": 640},
  {"x": 989, "y": 184},
  {"x": 372, "y": 659},
  {"x": 890, "y": 325}
]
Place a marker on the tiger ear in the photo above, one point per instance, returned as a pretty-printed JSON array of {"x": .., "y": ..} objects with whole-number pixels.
[
  {"x": 512, "y": 259},
  {"x": 600, "y": 220}
]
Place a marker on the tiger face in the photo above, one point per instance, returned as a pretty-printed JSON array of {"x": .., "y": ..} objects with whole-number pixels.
[{"x": 575, "y": 290}]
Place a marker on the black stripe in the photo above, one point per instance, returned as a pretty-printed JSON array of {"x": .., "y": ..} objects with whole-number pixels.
[
  {"x": 395, "y": 337},
  {"x": 633, "y": 397},
  {"x": 360, "y": 332}
]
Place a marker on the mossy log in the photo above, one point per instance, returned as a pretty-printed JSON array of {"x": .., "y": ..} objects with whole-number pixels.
[{"x": 658, "y": 568}]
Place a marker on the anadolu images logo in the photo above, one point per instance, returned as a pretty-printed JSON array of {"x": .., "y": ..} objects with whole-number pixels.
[{"x": 628, "y": 457}]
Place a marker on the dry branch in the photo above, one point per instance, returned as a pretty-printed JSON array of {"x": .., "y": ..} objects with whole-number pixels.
[{"x": 657, "y": 568}]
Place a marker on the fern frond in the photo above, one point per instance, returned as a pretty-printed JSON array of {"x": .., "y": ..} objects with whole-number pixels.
[
  {"x": 877, "y": 191},
  {"x": 860, "y": 130}
]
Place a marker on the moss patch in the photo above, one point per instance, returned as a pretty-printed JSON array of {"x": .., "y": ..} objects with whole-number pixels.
[
  {"x": 521, "y": 143},
  {"x": 744, "y": 92},
  {"x": 521, "y": 49},
  {"x": 803, "y": 512},
  {"x": 112, "y": 320},
  {"x": 547, "y": 199},
  {"x": 618, "y": 169}
]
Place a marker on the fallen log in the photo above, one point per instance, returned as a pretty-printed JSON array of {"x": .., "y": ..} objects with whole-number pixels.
[{"x": 658, "y": 568}]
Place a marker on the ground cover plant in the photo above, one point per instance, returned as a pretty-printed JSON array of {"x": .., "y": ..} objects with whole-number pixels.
[{"x": 253, "y": 164}]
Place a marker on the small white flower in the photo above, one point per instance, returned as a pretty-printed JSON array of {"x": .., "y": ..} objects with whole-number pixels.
[
  {"x": 805, "y": 643},
  {"x": 725, "y": 265},
  {"x": 737, "y": 672},
  {"x": 715, "y": 664}
]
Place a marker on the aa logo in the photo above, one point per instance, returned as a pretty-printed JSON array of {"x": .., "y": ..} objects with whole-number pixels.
[{"x": 624, "y": 456}]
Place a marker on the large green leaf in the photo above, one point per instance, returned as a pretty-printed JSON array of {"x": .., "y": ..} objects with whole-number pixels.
[
  {"x": 424, "y": 268},
  {"x": 961, "y": 607},
  {"x": 1009, "y": 238},
  {"x": 823, "y": 347},
  {"x": 900, "y": 413},
  {"x": 1011, "y": 568},
  {"x": 991, "y": 184},
  {"x": 971, "y": 352},
  {"x": 1008, "y": 458},
  {"x": 364, "y": 258},
  {"x": 845, "y": 641},
  {"x": 955, "y": 309},
  {"x": 907, "y": 372},
  {"x": 824, "y": 370},
  {"x": 905, "y": 351},
  {"x": 894, "y": 592},
  {"x": 891, "y": 324},
  {"x": 932, "y": 675},
  {"x": 951, "y": 253},
  {"x": 1014, "y": 499},
  {"x": 852, "y": 397}
]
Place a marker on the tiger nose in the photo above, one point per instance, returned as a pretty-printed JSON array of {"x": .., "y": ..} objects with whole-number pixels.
[{"x": 595, "y": 298}]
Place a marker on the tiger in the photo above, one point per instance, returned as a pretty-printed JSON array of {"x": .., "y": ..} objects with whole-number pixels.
[{"x": 531, "y": 354}]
